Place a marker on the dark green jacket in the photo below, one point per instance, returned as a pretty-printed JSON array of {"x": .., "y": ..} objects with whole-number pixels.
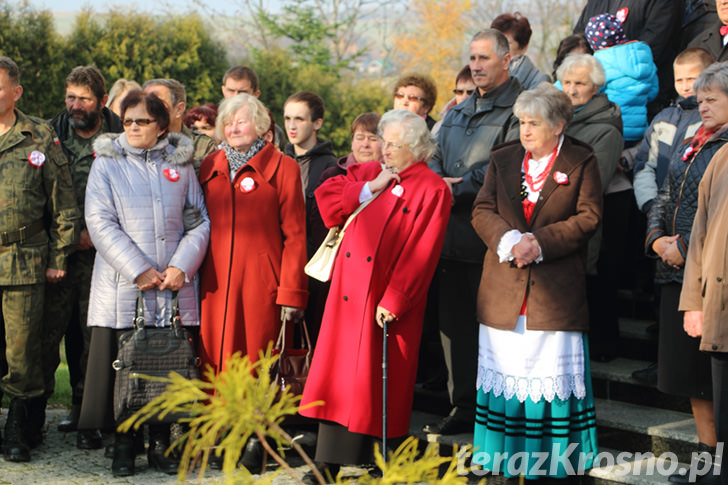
[{"x": 31, "y": 193}]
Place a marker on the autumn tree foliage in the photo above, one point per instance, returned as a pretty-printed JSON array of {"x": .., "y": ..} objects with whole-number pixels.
[{"x": 436, "y": 44}]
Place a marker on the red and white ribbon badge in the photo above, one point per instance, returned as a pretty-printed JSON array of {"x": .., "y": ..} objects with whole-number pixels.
[
  {"x": 561, "y": 178},
  {"x": 398, "y": 190},
  {"x": 172, "y": 174},
  {"x": 36, "y": 158},
  {"x": 622, "y": 14},
  {"x": 247, "y": 184}
]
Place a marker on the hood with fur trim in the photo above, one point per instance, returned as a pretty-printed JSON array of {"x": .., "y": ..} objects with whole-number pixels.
[{"x": 176, "y": 148}]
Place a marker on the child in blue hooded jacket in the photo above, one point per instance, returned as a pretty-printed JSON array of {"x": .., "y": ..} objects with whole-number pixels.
[{"x": 630, "y": 71}]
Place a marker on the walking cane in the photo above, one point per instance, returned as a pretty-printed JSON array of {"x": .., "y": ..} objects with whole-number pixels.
[{"x": 384, "y": 387}]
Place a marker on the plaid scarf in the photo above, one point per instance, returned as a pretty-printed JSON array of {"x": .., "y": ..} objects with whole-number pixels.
[{"x": 236, "y": 159}]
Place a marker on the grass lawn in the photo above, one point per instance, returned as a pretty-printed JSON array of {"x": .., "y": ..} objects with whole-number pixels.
[{"x": 62, "y": 395}]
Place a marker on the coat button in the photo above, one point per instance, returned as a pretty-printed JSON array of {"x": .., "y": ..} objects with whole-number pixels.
[
  {"x": 715, "y": 347},
  {"x": 468, "y": 132},
  {"x": 348, "y": 254},
  {"x": 346, "y": 298},
  {"x": 532, "y": 282},
  {"x": 369, "y": 258},
  {"x": 405, "y": 210},
  {"x": 719, "y": 279}
]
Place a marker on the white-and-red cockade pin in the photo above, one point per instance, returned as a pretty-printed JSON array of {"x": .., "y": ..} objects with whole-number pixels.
[
  {"x": 561, "y": 178},
  {"x": 247, "y": 184},
  {"x": 172, "y": 174},
  {"x": 398, "y": 190},
  {"x": 622, "y": 14},
  {"x": 36, "y": 158}
]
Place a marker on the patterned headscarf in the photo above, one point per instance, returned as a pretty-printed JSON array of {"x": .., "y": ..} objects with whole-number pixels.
[{"x": 604, "y": 31}]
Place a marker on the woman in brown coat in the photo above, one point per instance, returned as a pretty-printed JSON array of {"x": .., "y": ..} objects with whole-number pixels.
[{"x": 539, "y": 205}]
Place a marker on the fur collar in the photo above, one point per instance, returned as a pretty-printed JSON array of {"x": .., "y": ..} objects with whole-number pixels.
[{"x": 176, "y": 149}]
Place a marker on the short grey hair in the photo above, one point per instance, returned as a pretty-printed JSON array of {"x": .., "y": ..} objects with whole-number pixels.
[
  {"x": 572, "y": 61},
  {"x": 500, "y": 41},
  {"x": 227, "y": 109},
  {"x": 11, "y": 69},
  {"x": 544, "y": 101},
  {"x": 413, "y": 132},
  {"x": 713, "y": 76},
  {"x": 177, "y": 93}
]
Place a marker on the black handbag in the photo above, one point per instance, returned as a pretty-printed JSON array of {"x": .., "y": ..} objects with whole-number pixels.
[{"x": 151, "y": 351}]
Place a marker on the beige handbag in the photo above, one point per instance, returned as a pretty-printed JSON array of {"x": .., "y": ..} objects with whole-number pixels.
[{"x": 321, "y": 264}]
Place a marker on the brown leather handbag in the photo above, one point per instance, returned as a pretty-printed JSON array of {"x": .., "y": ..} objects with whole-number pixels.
[{"x": 291, "y": 370}]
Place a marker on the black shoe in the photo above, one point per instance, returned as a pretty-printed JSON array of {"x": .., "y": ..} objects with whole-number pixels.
[
  {"x": 123, "y": 463},
  {"x": 70, "y": 422},
  {"x": 214, "y": 462},
  {"x": 159, "y": 461},
  {"x": 16, "y": 447},
  {"x": 706, "y": 478},
  {"x": 452, "y": 424},
  {"x": 90, "y": 439},
  {"x": 158, "y": 445},
  {"x": 646, "y": 376},
  {"x": 327, "y": 470},
  {"x": 138, "y": 445},
  {"x": 252, "y": 457}
]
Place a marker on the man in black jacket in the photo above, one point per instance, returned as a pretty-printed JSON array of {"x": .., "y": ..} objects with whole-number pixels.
[
  {"x": 655, "y": 22},
  {"x": 66, "y": 302},
  {"x": 303, "y": 114}
]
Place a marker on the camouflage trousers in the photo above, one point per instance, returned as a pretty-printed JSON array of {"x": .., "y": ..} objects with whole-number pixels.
[
  {"x": 21, "y": 314},
  {"x": 65, "y": 312}
]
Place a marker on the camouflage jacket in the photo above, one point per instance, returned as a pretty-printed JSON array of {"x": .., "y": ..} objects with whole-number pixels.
[
  {"x": 35, "y": 187},
  {"x": 79, "y": 152},
  {"x": 204, "y": 145}
]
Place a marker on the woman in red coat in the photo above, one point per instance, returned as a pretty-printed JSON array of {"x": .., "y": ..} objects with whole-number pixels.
[
  {"x": 383, "y": 270},
  {"x": 252, "y": 277}
]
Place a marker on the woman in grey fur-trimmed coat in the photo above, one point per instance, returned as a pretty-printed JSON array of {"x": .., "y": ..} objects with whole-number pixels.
[{"x": 146, "y": 216}]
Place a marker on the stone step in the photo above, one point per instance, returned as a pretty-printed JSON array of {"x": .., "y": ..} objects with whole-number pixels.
[
  {"x": 618, "y": 370},
  {"x": 615, "y": 466},
  {"x": 635, "y": 328},
  {"x": 657, "y": 423}
]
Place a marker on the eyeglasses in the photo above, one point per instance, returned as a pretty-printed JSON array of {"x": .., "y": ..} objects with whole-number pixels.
[
  {"x": 388, "y": 144},
  {"x": 460, "y": 92},
  {"x": 411, "y": 98},
  {"x": 138, "y": 121}
]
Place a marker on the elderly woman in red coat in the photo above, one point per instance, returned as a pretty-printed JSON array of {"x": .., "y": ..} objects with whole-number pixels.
[
  {"x": 383, "y": 269},
  {"x": 252, "y": 277}
]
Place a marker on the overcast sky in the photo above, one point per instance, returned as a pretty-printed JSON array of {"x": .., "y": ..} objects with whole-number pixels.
[{"x": 223, "y": 6}]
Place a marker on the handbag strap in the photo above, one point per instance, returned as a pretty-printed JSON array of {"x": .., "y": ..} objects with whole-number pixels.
[
  {"x": 359, "y": 209},
  {"x": 281, "y": 340},
  {"x": 139, "y": 312},
  {"x": 175, "y": 321}
]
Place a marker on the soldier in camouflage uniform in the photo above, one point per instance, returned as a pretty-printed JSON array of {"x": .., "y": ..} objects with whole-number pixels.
[
  {"x": 39, "y": 227},
  {"x": 173, "y": 94},
  {"x": 66, "y": 305}
]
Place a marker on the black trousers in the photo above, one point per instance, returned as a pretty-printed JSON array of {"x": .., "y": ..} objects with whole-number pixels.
[{"x": 457, "y": 297}]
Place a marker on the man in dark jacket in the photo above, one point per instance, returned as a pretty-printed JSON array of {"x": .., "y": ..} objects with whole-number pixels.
[
  {"x": 303, "y": 114},
  {"x": 655, "y": 22},
  {"x": 713, "y": 38},
  {"x": 66, "y": 302},
  {"x": 468, "y": 132}
]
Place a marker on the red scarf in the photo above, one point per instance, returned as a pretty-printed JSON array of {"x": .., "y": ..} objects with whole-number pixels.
[{"x": 699, "y": 139}]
